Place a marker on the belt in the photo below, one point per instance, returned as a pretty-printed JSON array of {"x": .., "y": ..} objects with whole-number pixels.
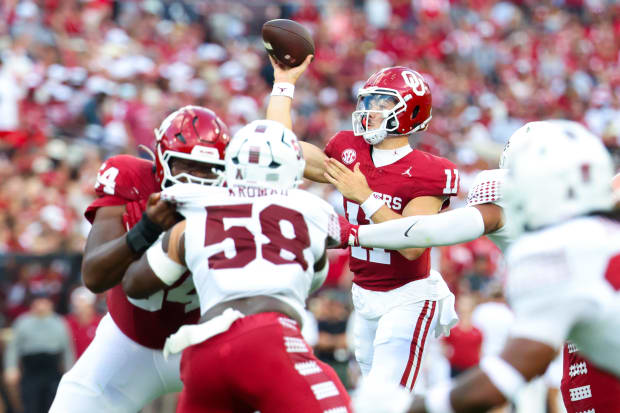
[
  {"x": 219, "y": 318},
  {"x": 253, "y": 305}
]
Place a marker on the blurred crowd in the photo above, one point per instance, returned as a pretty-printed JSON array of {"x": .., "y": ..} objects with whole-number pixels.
[{"x": 81, "y": 80}]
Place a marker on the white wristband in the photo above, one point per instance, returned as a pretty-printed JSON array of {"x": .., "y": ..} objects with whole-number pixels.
[
  {"x": 283, "y": 89},
  {"x": 437, "y": 400},
  {"x": 371, "y": 205},
  {"x": 164, "y": 267},
  {"x": 503, "y": 375}
]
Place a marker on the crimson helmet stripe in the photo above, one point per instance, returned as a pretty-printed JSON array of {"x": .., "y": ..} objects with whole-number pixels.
[{"x": 254, "y": 154}]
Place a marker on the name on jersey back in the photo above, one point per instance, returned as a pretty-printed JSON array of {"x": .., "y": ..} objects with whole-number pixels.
[{"x": 249, "y": 191}]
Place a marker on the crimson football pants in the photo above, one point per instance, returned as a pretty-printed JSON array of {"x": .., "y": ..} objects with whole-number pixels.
[
  {"x": 586, "y": 388},
  {"x": 261, "y": 363}
]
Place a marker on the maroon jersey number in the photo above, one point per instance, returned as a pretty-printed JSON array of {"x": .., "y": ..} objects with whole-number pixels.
[
  {"x": 295, "y": 241},
  {"x": 285, "y": 229},
  {"x": 612, "y": 275},
  {"x": 215, "y": 232}
]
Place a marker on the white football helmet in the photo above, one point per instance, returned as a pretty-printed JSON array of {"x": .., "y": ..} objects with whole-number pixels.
[
  {"x": 515, "y": 138},
  {"x": 265, "y": 152},
  {"x": 556, "y": 170}
]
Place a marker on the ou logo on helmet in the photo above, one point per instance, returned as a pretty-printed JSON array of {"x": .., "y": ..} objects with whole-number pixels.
[{"x": 415, "y": 81}]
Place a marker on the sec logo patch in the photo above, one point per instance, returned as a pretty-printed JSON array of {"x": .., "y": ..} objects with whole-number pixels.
[{"x": 348, "y": 156}]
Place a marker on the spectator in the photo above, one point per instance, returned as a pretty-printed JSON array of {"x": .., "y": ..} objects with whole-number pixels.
[
  {"x": 465, "y": 341},
  {"x": 38, "y": 353},
  {"x": 83, "y": 319},
  {"x": 124, "y": 65},
  {"x": 332, "y": 314},
  {"x": 493, "y": 318},
  {"x": 479, "y": 275}
]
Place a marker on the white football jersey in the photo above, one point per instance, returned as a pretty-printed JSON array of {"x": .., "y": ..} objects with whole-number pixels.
[
  {"x": 244, "y": 241},
  {"x": 563, "y": 284},
  {"x": 487, "y": 188}
]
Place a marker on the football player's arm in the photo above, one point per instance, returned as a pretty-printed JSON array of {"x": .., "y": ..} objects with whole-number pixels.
[
  {"x": 499, "y": 378},
  {"x": 315, "y": 162},
  {"x": 321, "y": 268},
  {"x": 279, "y": 106},
  {"x": 159, "y": 267},
  {"x": 353, "y": 185},
  {"x": 422, "y": 205},
  {"x": 279, "y": 110},
  {"x": 544, "y": 317},
  {"x": 448, "y": 228},
  {"x": 108, "y": 253}
]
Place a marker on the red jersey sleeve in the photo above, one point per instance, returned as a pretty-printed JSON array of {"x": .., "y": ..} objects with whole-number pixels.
[
  {"x": 121, "y": 180},
  {"x": 436, "y": 177},
  {"x": 331, "y": 148}
]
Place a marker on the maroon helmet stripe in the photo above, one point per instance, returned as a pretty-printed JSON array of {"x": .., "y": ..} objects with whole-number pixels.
[{"x": 254, "y": 154}]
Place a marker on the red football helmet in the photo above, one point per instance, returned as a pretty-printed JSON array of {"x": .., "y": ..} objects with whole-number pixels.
[
  {"x": 192, "y": 133},
  {"x": 393, "y": 101}
]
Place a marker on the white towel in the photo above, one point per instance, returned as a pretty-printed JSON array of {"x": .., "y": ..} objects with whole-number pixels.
[
  {"x": 447, "y": 316},
  {"x": 191, "y": 334}
]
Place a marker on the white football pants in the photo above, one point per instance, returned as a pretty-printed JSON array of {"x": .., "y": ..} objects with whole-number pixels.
[
  {"x": 116, "y": 375},
  {"x": 390, "y": 347}
]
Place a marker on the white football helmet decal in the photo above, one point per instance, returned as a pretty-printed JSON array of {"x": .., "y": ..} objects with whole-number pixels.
[{"x": 265, "y": 152}]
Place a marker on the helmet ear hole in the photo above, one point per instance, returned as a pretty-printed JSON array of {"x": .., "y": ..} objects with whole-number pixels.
[
  {"x": 415, "y": 112},
  {"x": 391, "y": 124}
]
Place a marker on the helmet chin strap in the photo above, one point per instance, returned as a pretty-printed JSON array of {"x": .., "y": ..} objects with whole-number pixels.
[{"x": 375, "y": 137}]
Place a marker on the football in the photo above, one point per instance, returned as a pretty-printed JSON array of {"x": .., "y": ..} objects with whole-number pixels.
[{"x": 287, "y": 41}]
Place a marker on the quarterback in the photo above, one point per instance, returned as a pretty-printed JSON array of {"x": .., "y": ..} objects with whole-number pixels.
[{"x": 397, "y": 298}]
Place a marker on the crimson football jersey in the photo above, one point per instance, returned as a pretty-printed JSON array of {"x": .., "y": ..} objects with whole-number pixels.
[
  {"x": 416, "y": 174},
  {"x": 127, "y": 180},
  {"x": 585, "y": 387}
]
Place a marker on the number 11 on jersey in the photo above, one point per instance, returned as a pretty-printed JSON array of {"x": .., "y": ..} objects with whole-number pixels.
[
  {"x": 378, "y": 255},
  {"x": 451, "y": 188}
]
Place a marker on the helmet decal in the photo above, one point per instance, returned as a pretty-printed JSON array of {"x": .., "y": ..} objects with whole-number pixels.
[
  {"x": 265, "y": 152},
  {"x": 416, "y": 82}
]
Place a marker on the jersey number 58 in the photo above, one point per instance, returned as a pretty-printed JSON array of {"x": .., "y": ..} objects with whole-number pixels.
[{"x": 285, "y": 229}]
